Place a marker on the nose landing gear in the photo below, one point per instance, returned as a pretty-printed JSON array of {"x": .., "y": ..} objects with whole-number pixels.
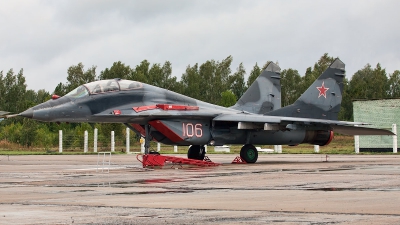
[{"x": 196, "y": 152}]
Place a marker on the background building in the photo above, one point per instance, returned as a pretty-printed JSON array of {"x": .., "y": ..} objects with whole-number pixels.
[{"x": 380, "y": 113}]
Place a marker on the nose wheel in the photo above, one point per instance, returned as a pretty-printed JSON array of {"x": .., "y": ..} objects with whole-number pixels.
[
  {"x": 196, "y": 152},
  {"x": 249, "y": 153}
]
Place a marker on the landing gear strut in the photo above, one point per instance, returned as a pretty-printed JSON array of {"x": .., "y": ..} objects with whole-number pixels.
[
  {"x": 196, "y": 152},
  {"x": 249, "y": 153},
  {"x": 147, "y": 139}
]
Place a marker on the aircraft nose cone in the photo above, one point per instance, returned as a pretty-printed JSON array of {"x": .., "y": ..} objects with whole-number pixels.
[{"x": 28, "y": 113}]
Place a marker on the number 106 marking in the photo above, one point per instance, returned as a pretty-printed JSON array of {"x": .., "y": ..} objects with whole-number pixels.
[{"x": 190, "y": 130}]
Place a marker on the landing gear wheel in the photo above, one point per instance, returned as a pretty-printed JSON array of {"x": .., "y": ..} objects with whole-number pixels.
[
  {"x": 196, "y": 152},
  {"x": 249, "y": 153}
]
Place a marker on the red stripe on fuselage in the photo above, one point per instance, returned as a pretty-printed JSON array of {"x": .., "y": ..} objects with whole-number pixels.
[
  {"x": 177, "y": 107},
  {"x": 144, "y": 108},
  {"x": 165, "y": 107},
  {"x": 166, "y": 131}
]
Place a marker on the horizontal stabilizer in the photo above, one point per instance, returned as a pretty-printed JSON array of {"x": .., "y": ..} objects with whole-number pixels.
[{"x": 350, "y": 130}]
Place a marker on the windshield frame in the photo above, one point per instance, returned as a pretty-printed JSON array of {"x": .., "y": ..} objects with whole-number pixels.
[
  {"x": 104, "y": 86},
  {"x": 78, "y": 92}
]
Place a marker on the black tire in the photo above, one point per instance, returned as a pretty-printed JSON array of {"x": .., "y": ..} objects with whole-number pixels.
[
  {"x": 249, "y": 153},
  {"x": 196, "y": 152}
]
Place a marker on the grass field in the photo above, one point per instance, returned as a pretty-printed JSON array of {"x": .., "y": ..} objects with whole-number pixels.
[{"x": 339, "y": 145}]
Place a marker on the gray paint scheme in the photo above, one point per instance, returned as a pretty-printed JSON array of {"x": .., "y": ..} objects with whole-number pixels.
[
  {"x": 311, "y": 119},
  {"x": 313, "y": 105},
  {"x": 264, "y": 94}
]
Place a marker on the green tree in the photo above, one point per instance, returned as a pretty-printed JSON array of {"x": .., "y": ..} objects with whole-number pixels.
[
  {"x": 312, "y": 74},
  {"x": 3, "y": 91},
  {"x": 28, "y": 132},
  {"x": 30, "y": 98},
  {"x": 228, "y": 99},
  {"x": 369, "y": 83},
  {"x": 12, "y": 90},
  {"x": 44, "y": 138},
  {"x": 346, "y": 111},
  {"x": 12, "y": 132},
  {"x": 214, "y": 79},
  {"x": 141, "y": 72},
  {"x": 291, "y": 90},
  {"x": 33, "y": 98},
  {"x": 255, "y": 72},
  {"x": 394, "y": 84},
  {"x": 117, "y": 70},
  {"x": 236, "y": 81},
  {"x": 78, "y": 76},
  {"x": 366, "y": 83},
  {"x": 190, "y": 82},
  {"x": 105, "y": 131},
  {"x": 60, "y": 89},
  {"x": 161, "y": 76},
  {"x": 42, "y": 96},
  {"x": 207, "y": 74}
]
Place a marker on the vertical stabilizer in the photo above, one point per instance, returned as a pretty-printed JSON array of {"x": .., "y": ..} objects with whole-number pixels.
[
  {"x": 264, "y": 94},
  {"x": 322, "y": 99}
]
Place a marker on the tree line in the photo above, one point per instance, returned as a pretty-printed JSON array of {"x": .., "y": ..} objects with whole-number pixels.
[{"x": 212, "y": 81}]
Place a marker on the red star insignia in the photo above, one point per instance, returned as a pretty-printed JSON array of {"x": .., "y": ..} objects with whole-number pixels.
[{"x": 322, "y": 90}]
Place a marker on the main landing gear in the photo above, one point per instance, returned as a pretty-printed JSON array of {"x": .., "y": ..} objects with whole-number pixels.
[
  {"x": 249, "y": 153},
  {"x": 196, "y": 152}
]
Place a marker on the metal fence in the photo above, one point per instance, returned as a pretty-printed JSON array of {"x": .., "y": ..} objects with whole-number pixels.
[{"x": 92, "y": 142}]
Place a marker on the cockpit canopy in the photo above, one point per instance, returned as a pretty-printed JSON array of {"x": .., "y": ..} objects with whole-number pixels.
[{"x": 103, "y": 86}]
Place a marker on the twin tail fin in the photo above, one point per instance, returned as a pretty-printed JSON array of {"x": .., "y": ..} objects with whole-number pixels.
[
  {"x": 264, "y": 94},
  {"x": 322, "y": 100}
]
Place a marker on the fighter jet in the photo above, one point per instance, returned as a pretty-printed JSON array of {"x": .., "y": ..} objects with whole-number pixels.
[{"x": 171, "y": 118}]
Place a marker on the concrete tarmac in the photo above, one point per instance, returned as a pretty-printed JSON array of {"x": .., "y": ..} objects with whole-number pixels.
[{"x": 278, "y": 189}]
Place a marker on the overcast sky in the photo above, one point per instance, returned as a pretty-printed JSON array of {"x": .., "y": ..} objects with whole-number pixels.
[{"x": 46, "y": 37}]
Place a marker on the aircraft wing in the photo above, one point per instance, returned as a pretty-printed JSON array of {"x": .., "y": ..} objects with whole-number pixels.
[
  {"x": 342, "y": 127},
  {"x": 254, "y": 118}
]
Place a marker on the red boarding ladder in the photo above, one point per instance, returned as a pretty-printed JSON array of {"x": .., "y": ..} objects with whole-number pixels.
[{"x": 160, "y": 160}]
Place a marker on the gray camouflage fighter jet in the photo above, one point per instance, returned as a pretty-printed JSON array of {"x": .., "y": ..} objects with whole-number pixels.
[{"x": 175, "y": 119}]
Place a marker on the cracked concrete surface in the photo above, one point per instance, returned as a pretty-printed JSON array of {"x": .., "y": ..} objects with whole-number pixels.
[{"x": 278, "y": 189}]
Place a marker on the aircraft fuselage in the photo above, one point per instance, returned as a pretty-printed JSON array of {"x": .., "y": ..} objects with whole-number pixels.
[{"x": 174, "y": 118}]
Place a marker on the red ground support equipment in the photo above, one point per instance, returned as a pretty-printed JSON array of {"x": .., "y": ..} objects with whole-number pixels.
[
  {"x": 160, "y": 160},
  {"x": 238, "y": 160},
  {"x": 207, "y": 159}
]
